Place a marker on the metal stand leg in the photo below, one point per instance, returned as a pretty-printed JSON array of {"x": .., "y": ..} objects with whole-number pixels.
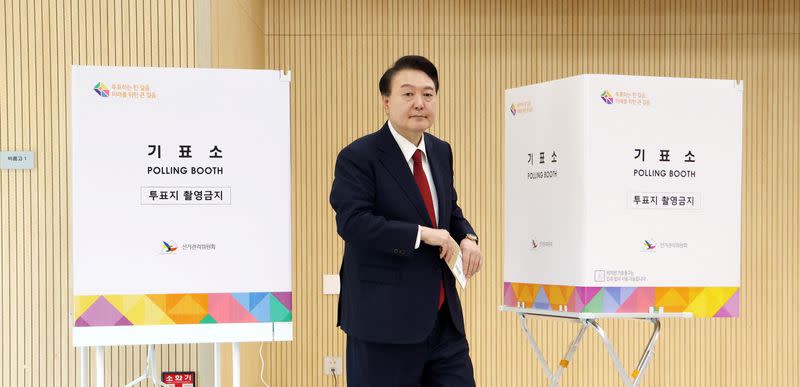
[
  {"x": 99, "y": 367},
  {"x": 629, "y": 381},
  {"x": 644, "y": 361},
  {"x": 85, "y": 367},
  {"x": 649, "y": 352},
  {"x": 237, "y": 365},
  {"x": 149, "y": 369},
  {"x": 536, "y": 350},
  {"x": 564, "y": 363},
  {"x": 217, "y": 365}
]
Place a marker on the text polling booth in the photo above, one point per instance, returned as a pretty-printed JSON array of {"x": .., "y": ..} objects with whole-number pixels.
[
  {"x": 623, "y": 198},
  {"x": 181, "y": 187}
]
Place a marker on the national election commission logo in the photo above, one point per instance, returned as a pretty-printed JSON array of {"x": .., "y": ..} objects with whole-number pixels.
[
  {"x": 536, "y": 245},
  {"x": 607, "y": 97},
  {"x": 101, "y": 90},
  {"x": 649, "y": 245},
  {"x": 168, "y": 247}
]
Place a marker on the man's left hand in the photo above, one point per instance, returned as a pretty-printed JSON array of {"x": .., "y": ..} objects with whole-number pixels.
[{"x": 471, "y": 256}]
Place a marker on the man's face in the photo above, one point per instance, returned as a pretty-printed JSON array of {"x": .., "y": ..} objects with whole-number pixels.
[{"x": 411, "y": 105}]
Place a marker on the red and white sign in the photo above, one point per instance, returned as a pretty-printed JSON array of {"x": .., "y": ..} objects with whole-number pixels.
[{"x": 178, "y": 379}]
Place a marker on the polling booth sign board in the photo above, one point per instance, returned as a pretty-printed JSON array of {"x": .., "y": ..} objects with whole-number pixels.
[
  {"x": 181, "y": 213},
  {"x": 623, "y": 195}
]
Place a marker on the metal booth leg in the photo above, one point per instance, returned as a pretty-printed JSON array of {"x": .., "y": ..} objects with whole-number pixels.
[
  {"x": 564, "y": 363},
  {"x": 644, "y": 361}
]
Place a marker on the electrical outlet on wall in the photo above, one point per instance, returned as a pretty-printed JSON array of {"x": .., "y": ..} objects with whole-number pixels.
[
  {"x": 332, "y": 365},
  {"x": 330, "y": 284}
]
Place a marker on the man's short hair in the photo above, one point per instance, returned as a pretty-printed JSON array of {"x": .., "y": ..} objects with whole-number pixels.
[{"x": 414, "y": 62}]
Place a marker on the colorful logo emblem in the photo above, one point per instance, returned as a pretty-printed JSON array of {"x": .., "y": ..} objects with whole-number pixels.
[
  {"x": 521, "y": 107},
  {"x": 607, "y": 97},
  {"x": 169, "y": 247},
  {"x": 649, "y": 246},
  {"x": 101, "y": 89}
]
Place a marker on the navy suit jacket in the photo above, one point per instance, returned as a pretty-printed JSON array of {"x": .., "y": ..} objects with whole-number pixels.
[{"x": 389, "y": 290}]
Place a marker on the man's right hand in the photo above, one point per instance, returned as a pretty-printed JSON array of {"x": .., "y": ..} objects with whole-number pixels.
[{"x": 442, "y": 239}]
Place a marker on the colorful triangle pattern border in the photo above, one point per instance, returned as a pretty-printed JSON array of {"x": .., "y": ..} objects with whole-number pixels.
[
  {"x": 700, "y": 301},
  {"x": 188, "y": 308}
]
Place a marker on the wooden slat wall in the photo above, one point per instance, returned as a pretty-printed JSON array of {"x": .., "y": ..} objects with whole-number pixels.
[
  {"x": 39, "y": 40},
  {"x": 338, "y": 49},
  {"x": 237, "y": 34}
]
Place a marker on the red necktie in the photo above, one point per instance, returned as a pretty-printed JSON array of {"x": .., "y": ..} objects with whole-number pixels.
[{"x": 425, "y": 190}]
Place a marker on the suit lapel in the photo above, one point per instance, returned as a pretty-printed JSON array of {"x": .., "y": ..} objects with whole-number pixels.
[
  {"x": 438, "y": 169},
  {"x": 392, "y": 158}
]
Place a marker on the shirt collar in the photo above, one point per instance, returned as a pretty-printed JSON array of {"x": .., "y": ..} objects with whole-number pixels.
[{"x": 407, "y": 147}]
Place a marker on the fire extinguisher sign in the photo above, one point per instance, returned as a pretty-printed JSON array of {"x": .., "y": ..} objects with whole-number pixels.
[{"x": 178, "y": 379}]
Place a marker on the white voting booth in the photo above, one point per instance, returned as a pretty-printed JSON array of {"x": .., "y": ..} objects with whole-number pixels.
[
  {"x": 181, "y": 215},
  {"x": 622, "y": 200}
]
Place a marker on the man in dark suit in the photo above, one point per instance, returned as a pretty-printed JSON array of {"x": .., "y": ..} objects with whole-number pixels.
[{"x": 396, "y": 210}]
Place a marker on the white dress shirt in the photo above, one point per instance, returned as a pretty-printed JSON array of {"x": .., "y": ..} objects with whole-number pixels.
[{"x": 408, "y": 149}]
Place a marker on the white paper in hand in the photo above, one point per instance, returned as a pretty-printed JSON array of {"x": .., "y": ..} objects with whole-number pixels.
[{"x": 457, "y": 267}]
